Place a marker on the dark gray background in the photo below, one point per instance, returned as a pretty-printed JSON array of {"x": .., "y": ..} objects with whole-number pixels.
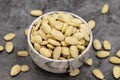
[{"x": 15, "y": 17}]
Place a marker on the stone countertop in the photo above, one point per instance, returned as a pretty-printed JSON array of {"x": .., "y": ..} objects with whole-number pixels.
[{"x": 15, "y": 17}]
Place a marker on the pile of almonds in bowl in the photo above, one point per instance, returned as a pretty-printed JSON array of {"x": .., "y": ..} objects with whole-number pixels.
[{"x": 60, "y": 36}]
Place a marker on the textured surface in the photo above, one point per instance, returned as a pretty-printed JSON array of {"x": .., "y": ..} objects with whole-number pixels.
[{"x": 15, "y": 17}]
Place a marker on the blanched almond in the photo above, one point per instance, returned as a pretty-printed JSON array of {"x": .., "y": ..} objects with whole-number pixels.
[
  {"x": 114, "y": 60},
  {"x": 105, "y": 9},
  {"x": 45, "y": 52},
  {"x": 36, "y": 39},
  {"x": 22, "y": 53},
  {"x": 57, "y": 35},
  {"x": 96, "y": 44},
  {"x": 107, "y": 45},
  {"x": 9, "y": 47},
  {"x": 74, "y": 51},
  {"x": 91, "y": 23},
  {"x": 69, "y": 31},
  {"x": 57, "y": 52},
  {"x": 15, "y": 70},
  {"x": 36, "y": 12},
  {"x": 74, "y": 72},
  {"x": 116, "y": 72},
  {"x": 25, "y": 68},
  {"x": 88, "y": 61},
  {"x": 118, "y": 53},
  {"x": 53, "y": 42},
  {"x": 65, "y": 51},
  {"x": 71, "y": 40},
  {"x": 9, "y": 36},
  {"x": 46, "y": 28},
  {"x": 98, "y": 74},
  {"x": 103, "y": 54},
  {"x": 1, "y": 48}
]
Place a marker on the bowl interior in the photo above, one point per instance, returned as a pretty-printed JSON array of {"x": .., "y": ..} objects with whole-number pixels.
[{"x": 85, "y": 51}]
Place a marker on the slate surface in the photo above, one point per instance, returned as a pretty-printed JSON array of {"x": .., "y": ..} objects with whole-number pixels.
[{"x": 15, "y": 17}]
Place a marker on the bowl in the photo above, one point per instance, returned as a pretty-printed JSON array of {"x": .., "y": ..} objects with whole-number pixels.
[{"x": 58, "y": 66}]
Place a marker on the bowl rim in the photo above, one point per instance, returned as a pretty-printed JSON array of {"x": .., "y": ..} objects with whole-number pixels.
[{"x": 36, "y": 52}]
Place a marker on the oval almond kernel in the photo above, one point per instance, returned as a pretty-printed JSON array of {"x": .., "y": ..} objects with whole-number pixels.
[
  {"x": 46, "y": 28},
  {"x": 26, "y": 32},
  {"x": 98, "y": 74},
  {"x": 37, "y": 46},
  {"x": 85, "y": 28},
  {"x": 57, "y": 35},
  {"x": 105, "y": 9},
  {"x": 103, "y": 54},
  {"x": 50, "y": 46},
  {"x": 25, "y": 68},
  {"x": 74, "y": 72},
  {"x": 1, "y": 48},
  {"x": 15, "y": 70},
  {"x": 118, "y": 53},
  {"x": 65, "y": 26},
  {"x": 36, "y": 39},
  {"x": 65, "y": 51},
  {"x": 91, "y": 23},
  {"x": 44, "y": 43},
  {"x": 71, "y": 40},
  {"x": 107, "y": 45},
  {"x": 116, "y": 72},
  {"x": 114, "y": 60},
  {"x": 9, "y": 36},
  {"x": 9, "y": 47},
  {"x": 22, "y": 53},
  {"x": 74, "y": 51},
  {"x": 57, "y": 52},
  {"x": 96, "y": 44},
  {"x": 69, "y": 31},
  {"x": 53, "y": 42},
  {"x": 36, "y": 13},
  {"x": 45, "y": 52},
  {"x": 63, "y": 43},
  {"x": 88, "y": 61},
  {"x": 78, "y": 35}
]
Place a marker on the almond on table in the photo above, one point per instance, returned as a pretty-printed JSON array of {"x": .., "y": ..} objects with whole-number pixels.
[
  {"x": 1, "y": 48},
  {"x": 9, "y": 36}
]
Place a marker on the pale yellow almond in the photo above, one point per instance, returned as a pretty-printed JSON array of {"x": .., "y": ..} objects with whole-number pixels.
[
  {"x": 114, "y": 60},
  {"x": 57, "y": 35},
  {"x": 98, "y": 74},
  {"x": 65, "y": 51},
  {"x": 44, "y": 43},
  {"x": 42, "y": 34},
  {"x": 103, "y": 54},
  {"x": 65, "y": 26},
  {"x": 105, "y": 9},
  {"x": 71, "y": 40},
  {"x": 118, "y": 53},
  {"x": 26, "y": 31},
  {"x": 9, "y": 36},
  {"x": 36, "y": 12},
  {"x": 85, "y": 28},
  {"x": 38, "y": 25},
  {"x": 49, "y": 36},
  {"x": 36, "y": 39},
  {"x": 77, "y": 20},
  {"x": 87, "y": 37},
  {"x": 22, "y": 53},
  {"x": 25, "y": 68},
  {"x": 45, "y": 52},
  {"x": 74, "y": 24},
  {"x": 58, "y": 25},
  {"x": 78, "y": 35},
  {"x": 96, "y": 44},
  {"x": 69, "y": 31},
  {"x": 80, "y": 47},
  {"x": 82, "y": 42},
  {"x": 116, "y": 72},
  {"x": 74, "y": 72},
  {"x": 9, "y": 47},
  {"x": 88, "y": 61},
  {"x": 74, "y": 51},
  {"x": 91, "y": 23},
  {"x": 37, "y": 46},
  {"x": 63, "y": 43},
  {"x": 107, "y": 45},
  {"x": 57, "y": 52},
  {"x": 50, "y": 46},
  {"x": 15, "y": 70},
  {"x": 1, "y": 48},
  {"x": 46, "y": 28},
  {"x": 53, "y": 42}
]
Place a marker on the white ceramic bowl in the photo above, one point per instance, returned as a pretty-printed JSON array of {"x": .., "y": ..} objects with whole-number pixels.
[{"x": 58, "y": 66}]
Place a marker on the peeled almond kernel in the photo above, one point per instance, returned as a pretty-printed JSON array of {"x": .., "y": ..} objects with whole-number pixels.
[
  {"x": 98, "y": 74},
  {"x": 22, "y": 53},
  {"x": 103, "y": 54},
  {"x": 91, "y": 23},
  {"x": 116, "y": 72},
  {"x": 105, "y": 9},
  {"x": 74, "y": 51},
  {"x": 107, "y": 45},
  {"x": 9, "y": 47},
  {"x": 9, "y": 36},
  {"x": 1, "y": 48},
  {"x": 15, "y": 70},
  {"x": 36, "y": 12},
  {"x": 88, "y": 61},
  {"x": 45, "y": 52},
  {"x": 74, "y": 72},
  {"x": 57, "y": 52},
  {"x": 25, "y": 68},
  {"x": 114, "y": 60},
  {"x": 96, "y": 44},
  {"x": 118, "y": 53}
]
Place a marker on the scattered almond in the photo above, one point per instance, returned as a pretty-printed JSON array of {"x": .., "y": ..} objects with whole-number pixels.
[
  {"x": 15, "y": 70},
  {"x": 9, "y": 36},
  {"x": 98, "y": 74}
]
